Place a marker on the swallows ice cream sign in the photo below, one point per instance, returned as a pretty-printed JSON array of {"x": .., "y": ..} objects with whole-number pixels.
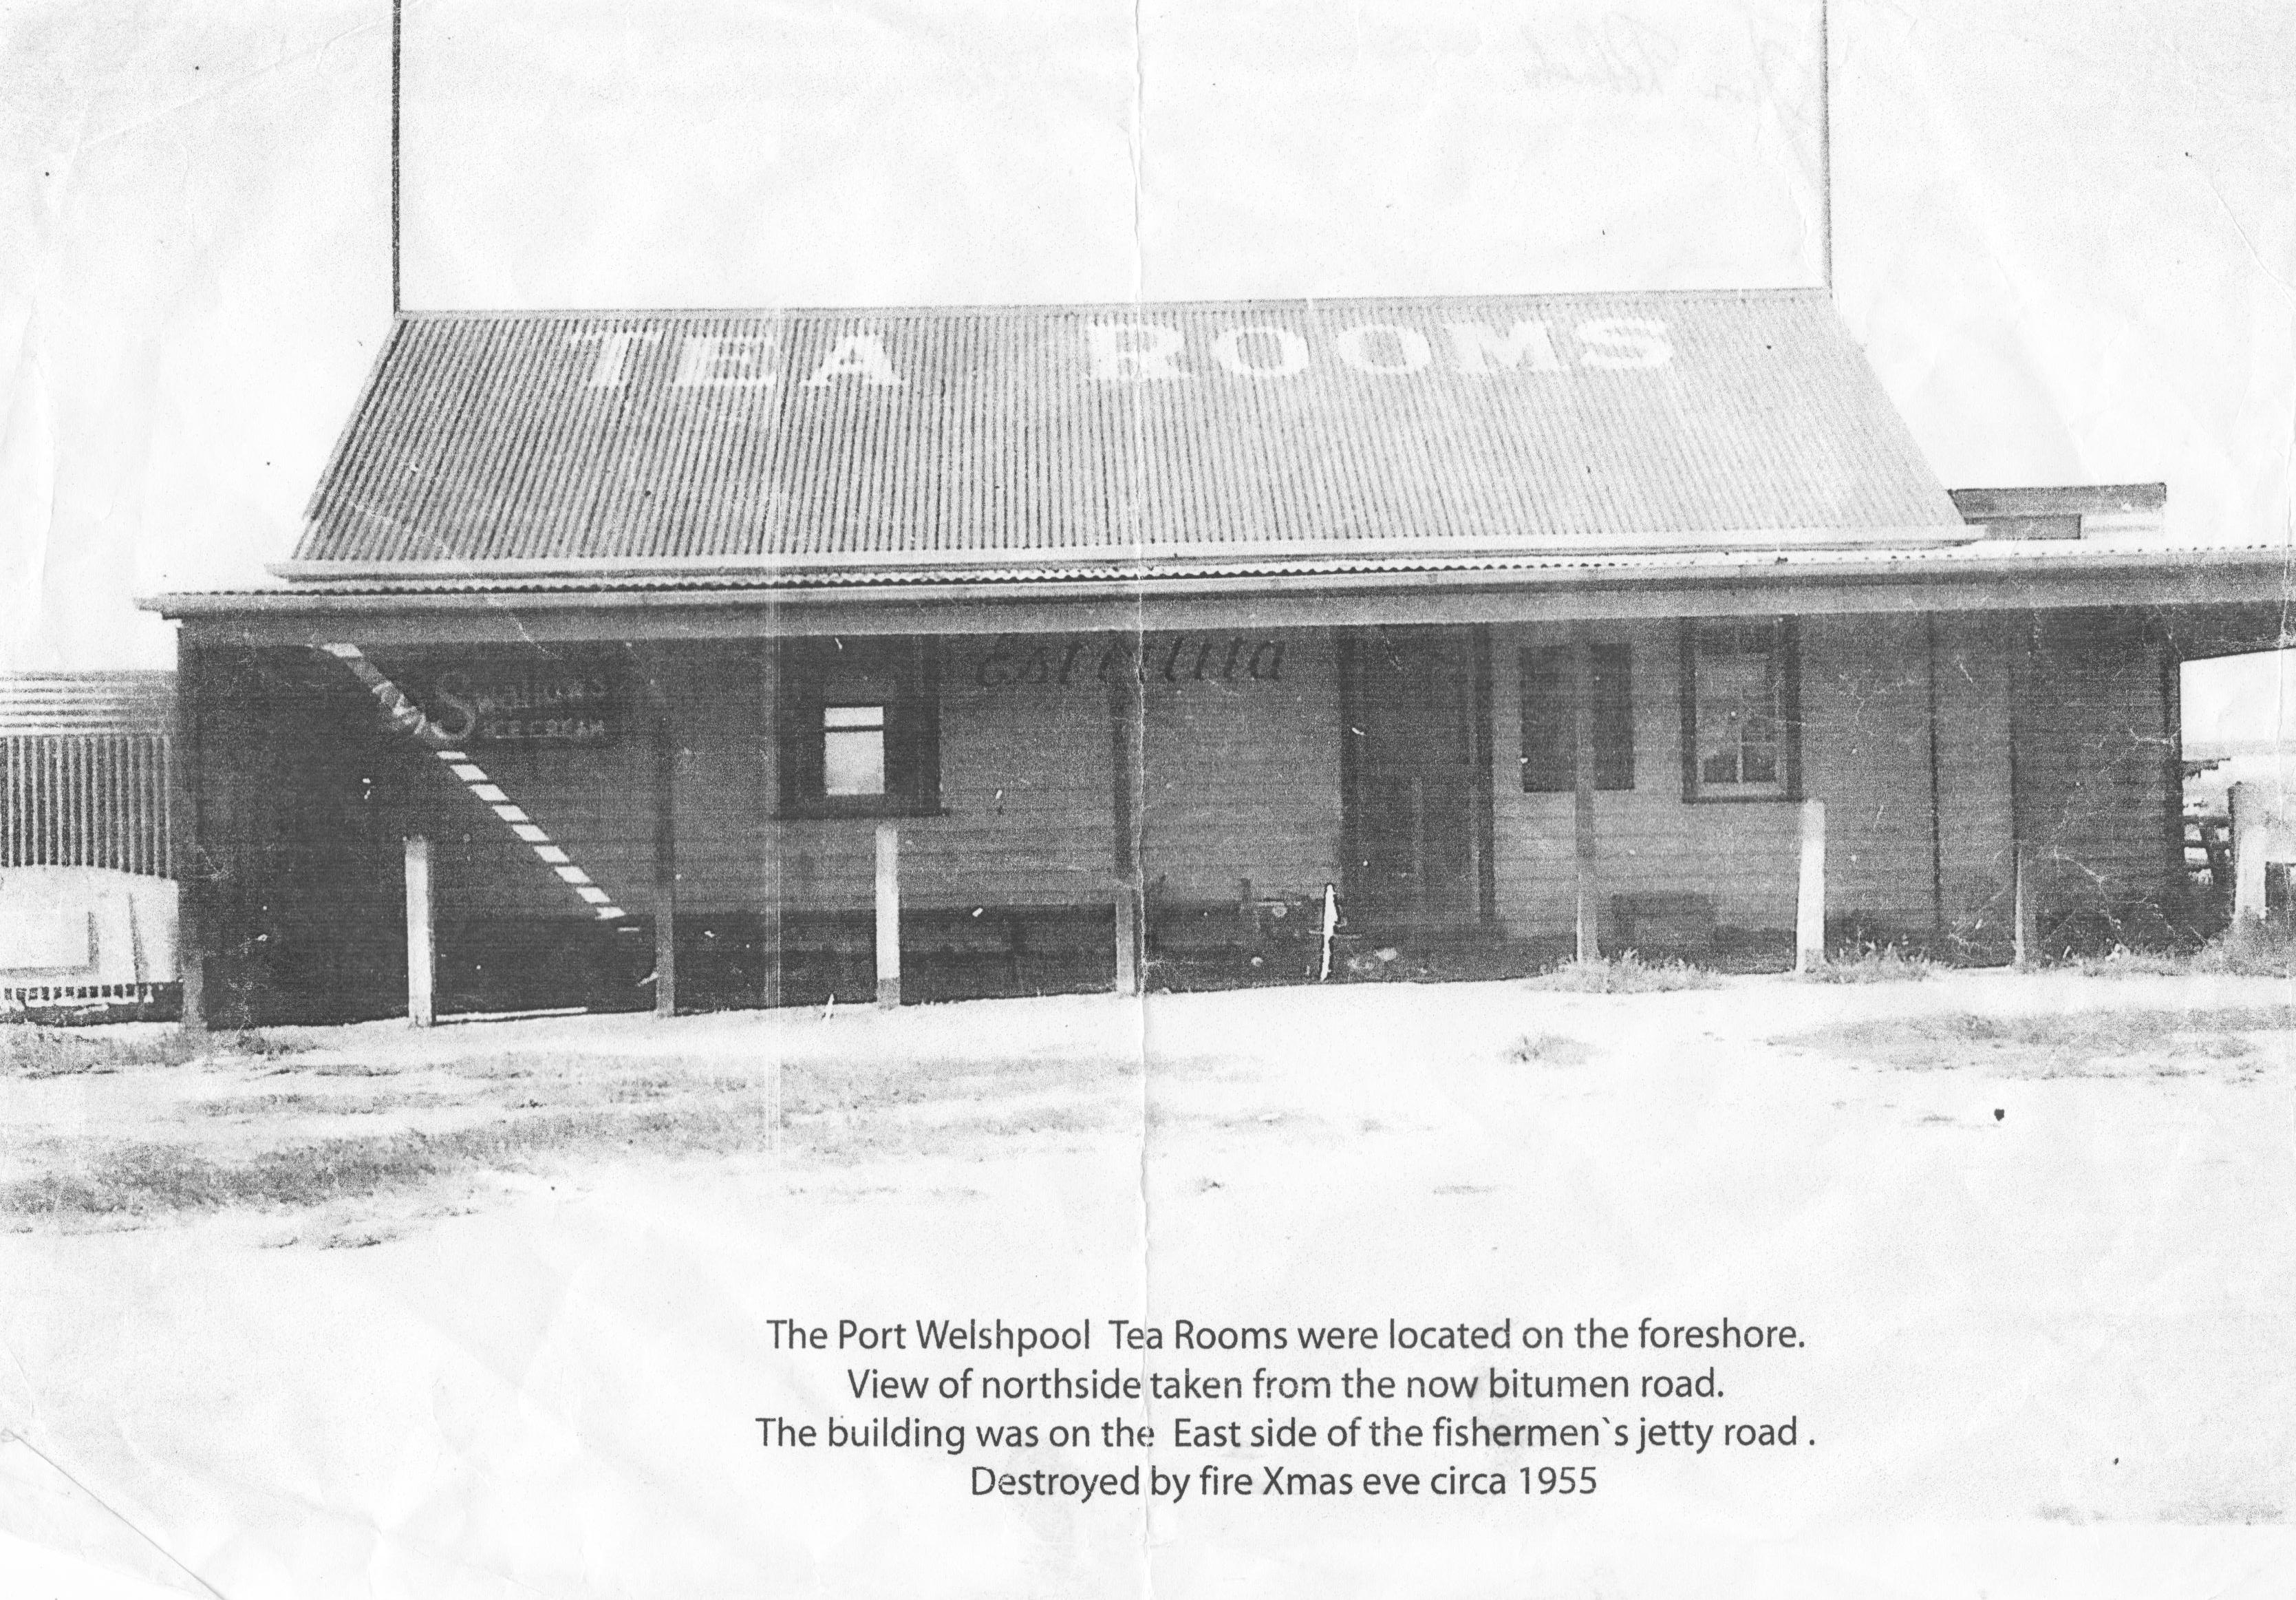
[{"x": 1125, "y": 352}]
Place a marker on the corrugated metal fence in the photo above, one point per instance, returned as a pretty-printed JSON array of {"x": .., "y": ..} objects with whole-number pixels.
[{"x": 86, "y": 757}]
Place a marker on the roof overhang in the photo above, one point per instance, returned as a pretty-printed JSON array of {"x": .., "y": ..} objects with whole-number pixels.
[
  {"x": 1129, "y": 563},
  {"x": 1988, "y": 575}
]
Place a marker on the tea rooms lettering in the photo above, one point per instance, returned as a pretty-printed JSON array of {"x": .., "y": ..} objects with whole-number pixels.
[{"x": 1147, "y": 352}]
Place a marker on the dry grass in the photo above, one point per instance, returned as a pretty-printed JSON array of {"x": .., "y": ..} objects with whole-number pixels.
[
  {"x": 1626, "y": 975},
  {"x": 2122, "y": 962},
  {"x": 286, "y": 1101},
  {"x": 2088, "y": 1044},
  {"x": 1872, "y": 964},
  {"x": 2248, "y": 948},
  {"x": 515, "y": 1112},
  {"x": 1550, "y": 1050},
  {"x": 141, "y": 1178},
  {"x": 28, "y": 1050}
]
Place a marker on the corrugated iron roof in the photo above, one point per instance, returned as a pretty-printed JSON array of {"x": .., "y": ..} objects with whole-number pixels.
[
  {"x": 1151, "y": 433},
  {"x": 87, "y": 702}
]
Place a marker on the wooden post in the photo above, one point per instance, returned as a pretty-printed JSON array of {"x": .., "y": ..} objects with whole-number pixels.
[
  {"x": 2022, "y": 907},
  {"x": 2176, "y": 884},
  {"x": 769, "y": 958},
  {"x": 1582, "y": 741},
  {"x": 665, "y": 856},
  {"x": 1481, "y": 776},
  {"x": 422, "y": 935},
  {"x": 888, "y": 914},
  {"x": 2245, "y": 803},
  {"x": 771, "y": 920},
  {"x": 1131, "y": 914},
  {"x": 1937, "y": 787},
  {"x": 1418, "y": 849},
  {"x": 1810, "y": 908},
  {"x": 1351, "y": 743},
  {"x": 2024, "y": 934}
]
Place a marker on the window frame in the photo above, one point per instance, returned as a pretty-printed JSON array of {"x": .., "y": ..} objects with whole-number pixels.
[
  {"x": 1786, "y": 634},
  {"x": 906, "y": 684},
  {"x": 1614, "y": 692}
]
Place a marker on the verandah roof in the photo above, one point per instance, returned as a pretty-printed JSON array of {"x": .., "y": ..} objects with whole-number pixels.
[{"x": 893, "y": 441}]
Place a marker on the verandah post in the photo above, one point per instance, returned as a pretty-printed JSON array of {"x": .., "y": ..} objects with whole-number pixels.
[
  {"x": 769, "y": 954},
  {"x": 1123, "y": 718},
  {"x": 422, "y": 935},
  {"x": 772, "y": 919},
  {"x": 1582, "y": 741},
  {"x": 1810, "y": 908},
  {"x": 2021, "y": 905},
  {"x": 888, "y": 914},
  {"x": 664, "y": 744},
  {"x": 2249, "y": 895}
]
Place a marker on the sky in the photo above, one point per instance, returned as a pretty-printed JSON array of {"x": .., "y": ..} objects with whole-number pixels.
[{"x": 2063, "y": 229}]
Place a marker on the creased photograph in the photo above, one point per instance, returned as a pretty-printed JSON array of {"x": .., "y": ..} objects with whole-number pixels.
[{"x": 1201, "y": 800}]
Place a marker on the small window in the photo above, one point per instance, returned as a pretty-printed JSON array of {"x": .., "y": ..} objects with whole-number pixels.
[
  {"x": 1550, "y": 759},
  {"x": 1738, "y": 713},
  {"x": 853, "y": 749},
  {"x": 859, "y": 727}
]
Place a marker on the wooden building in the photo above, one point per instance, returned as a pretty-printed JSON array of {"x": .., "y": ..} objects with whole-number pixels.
[{"x": 1142, "y": 625}]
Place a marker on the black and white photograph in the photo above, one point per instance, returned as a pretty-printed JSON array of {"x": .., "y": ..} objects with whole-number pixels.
[{"x": 993, "y": 799}]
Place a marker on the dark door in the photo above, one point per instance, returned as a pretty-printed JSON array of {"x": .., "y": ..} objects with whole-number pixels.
[{"x": 1417, "y": 788}]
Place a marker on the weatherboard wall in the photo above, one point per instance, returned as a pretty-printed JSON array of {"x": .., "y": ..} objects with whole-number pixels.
[
  {"x": 304, "y": 793},
  {"x": 2093, "y": 758},
  {"x": 1904, "y": 852},
  {"x": 1239, "y": 781}
]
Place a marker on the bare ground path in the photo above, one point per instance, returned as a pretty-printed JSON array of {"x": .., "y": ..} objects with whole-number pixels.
[{"x": 479, "y": 1311}]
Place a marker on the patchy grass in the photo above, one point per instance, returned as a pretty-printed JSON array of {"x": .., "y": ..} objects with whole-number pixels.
[
  {"x": 139, "y": 1180},
  {"x": 2104, "y": 1043},
  {"x": 272, "y": 1105},
  {"x": 297, "y": 1103},
  {"x": 2121, "y": 962},
  {"x": 519, "y": 1116},
  {"x": 28, "y": 1050},
  {"x": 2248, "y": 948},
  {"x": 813, "y": 1087},
  {"x": 1873, "y": 964},
  {"x": 1550, "y": 1050},
  {"x": 1626, "y": 975}
]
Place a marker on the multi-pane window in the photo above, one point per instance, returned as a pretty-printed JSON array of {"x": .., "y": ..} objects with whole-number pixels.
[
  {"x": 1737, "y": 710},
  {"x": 1550, "y": 736}
]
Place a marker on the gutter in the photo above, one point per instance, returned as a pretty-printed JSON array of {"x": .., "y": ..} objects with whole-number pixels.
[{"x": 1996, "y": 560}]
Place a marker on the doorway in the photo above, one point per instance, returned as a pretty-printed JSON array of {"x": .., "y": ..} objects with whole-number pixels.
[{"x": 1416, "y": 703}]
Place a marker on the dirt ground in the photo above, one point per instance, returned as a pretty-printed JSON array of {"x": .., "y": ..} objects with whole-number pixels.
[{"x": 486, "y": 1310}]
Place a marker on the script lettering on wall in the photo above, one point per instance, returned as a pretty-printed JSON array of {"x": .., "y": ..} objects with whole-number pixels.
[
  {"x": 524, "y": 706},
  {"x": 1070, "y": 660}
]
